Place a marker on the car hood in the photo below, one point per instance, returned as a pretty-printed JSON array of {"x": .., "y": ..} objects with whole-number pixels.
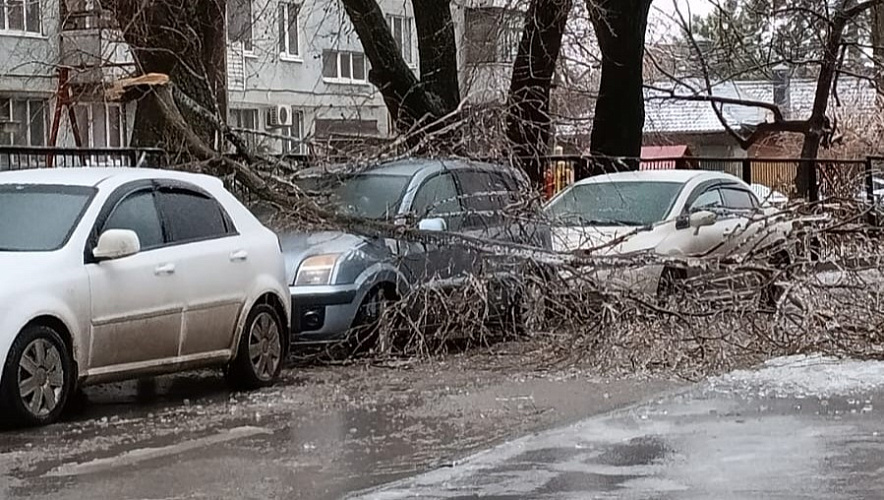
[
  {"x": 607, "y": 240},
  {"x": 18, "y": 269},
  {"x": 298, "y": 246}
]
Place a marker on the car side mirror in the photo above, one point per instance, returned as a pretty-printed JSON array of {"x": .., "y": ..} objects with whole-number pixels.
[
  {"x": 116, "y": 244},
  {"x": 432, "y": 224},
  {"x": 702, "y": 218}
]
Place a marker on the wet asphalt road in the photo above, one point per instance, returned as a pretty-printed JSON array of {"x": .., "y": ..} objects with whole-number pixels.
[
  {"x": 741, "y": 438},
  {"x": 320, "y": 434}
]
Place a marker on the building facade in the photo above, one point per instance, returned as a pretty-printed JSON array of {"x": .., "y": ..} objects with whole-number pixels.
[{"x": 297, "y": 73}]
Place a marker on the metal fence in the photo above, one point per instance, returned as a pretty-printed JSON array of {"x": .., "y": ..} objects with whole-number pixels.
[
  {"x": 828, "y": 178},
  {"x": 22, "y": 158}
]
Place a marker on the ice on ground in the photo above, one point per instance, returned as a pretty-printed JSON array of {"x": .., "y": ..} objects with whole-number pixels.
[{"x": 803, "y": 376}]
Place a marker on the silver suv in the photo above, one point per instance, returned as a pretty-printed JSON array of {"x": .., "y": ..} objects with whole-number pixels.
[{"x": 340, "y": 280}]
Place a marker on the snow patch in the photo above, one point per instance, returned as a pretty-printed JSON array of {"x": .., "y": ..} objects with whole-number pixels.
[{"x": 803, "y": 376}]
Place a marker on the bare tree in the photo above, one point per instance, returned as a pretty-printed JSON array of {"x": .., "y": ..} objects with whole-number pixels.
[
  {"x": 185, "y": 40},
  {"x": 620, "y": 26},
  {"x": 529, "y": 119},
  {"x": 817, "y": 127}
]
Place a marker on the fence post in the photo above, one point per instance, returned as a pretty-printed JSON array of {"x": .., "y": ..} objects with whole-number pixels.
[
  {"x": 870, "y": 193},
  {"x": 814, "y": 187},
  {"x": 747, "y": 170}
]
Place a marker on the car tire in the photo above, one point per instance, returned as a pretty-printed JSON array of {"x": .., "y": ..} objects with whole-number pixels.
[
  {"x": 38, "y": 378},
  {"x": 671, "y": 279},
  {"x": 363, "y": 335},
  {"x": 262, "y": 350}
]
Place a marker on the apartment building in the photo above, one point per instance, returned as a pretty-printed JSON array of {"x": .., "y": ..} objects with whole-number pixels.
[{"x": 297, "y": 73}]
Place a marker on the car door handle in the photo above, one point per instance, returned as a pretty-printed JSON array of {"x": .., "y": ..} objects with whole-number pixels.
[
  {"x": 239, "y": 255},
  {"x": 164, "y": 269}
]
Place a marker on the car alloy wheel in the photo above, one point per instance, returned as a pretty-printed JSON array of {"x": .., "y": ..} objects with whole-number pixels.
[
  {"x": 41, "y": 377},
  {"x": 265, "y": 346}
]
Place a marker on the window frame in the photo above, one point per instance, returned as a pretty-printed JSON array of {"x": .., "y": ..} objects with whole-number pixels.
[
  {"x": 137, "y": 191},
  {"x": 406, "y": 21},
  {"x": 341, "y": 79},
  {"x": 26, "y": 123},
  {"x": 284, "y": 25},
  {"x": 248, "y": 48},
  {"x": 165, "y": 187},
  {"x": 753, "y": 202},
  {"x": 6, "y": 30},
  {"x": 89, "y": 125},
  {"x": 690, "y": 207},
  {"x": 299, "y": 148},
  {"x": 454, "y": 220},
  {"x": 154, "y": 187}
]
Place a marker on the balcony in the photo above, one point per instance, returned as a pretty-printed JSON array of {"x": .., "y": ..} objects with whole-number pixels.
[{"x": 93, "y": 48}]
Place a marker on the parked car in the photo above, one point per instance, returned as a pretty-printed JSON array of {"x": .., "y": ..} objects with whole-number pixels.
[
  {"x": 341, "y": 280},
  {"x": 664, "y": 212},
  {"x": 111, "y": 274},
  {"x": 768, "y": 196}
]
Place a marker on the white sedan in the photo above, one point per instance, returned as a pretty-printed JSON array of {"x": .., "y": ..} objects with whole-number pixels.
[
  {"x": 111, "y": 274},
  {"x": 683, "y": 213}
]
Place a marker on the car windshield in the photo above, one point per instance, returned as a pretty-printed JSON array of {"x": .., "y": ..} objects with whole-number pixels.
[
  {"x": 626, "y": 203},
  {"x": 39, "y": 218},
  {"x": 371, "y": 196}
]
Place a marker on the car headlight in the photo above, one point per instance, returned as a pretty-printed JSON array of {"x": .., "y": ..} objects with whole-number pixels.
[{"x": 316, "y": 270}]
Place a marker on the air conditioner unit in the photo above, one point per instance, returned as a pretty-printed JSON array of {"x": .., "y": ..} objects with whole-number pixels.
[{"x": 279, "y": 116}]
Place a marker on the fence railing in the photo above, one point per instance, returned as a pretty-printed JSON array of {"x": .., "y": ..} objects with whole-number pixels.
[
  {"x": 833, "y": 178},
  {"x": 24, "y": 157}
]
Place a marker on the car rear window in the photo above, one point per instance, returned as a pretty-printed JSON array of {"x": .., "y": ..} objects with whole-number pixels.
[{"x": 40, "y": 217}]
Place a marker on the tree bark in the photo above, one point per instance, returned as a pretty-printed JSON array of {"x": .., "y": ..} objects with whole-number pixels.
[
  {"x": 185, "y": 40},
  {"x": 620, "y": 26},
  {"x": 877, "y": 26},
  {"x": 528, "y": 122},
  {"x": 438, "y": 51},
  {"x": 413, "y": 104},
  {"x": 845, "y": 12}
]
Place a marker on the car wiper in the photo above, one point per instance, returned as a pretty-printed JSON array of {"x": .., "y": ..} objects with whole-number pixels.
[{"x": 614, "y": 222}]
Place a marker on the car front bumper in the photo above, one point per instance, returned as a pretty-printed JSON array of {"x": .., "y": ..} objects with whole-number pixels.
[{"x": 323, "y": 313}]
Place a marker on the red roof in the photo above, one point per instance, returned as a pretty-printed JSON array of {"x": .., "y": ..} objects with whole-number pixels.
[
  {"x": 654, "y": 152},
  {"x": 668, "y": 155}
]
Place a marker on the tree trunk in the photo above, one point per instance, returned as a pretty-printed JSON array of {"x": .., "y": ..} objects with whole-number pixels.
[
  {"x": 620, "y": 26},
  {"x": 186, "y": 41},
  {"x": 413, "y": 105},
  {"x": 877, "y": 26},
  {"x": 805, "y": 179},
  {"x": 528, "y": 126},
  {"x": 438, "y": 51}
]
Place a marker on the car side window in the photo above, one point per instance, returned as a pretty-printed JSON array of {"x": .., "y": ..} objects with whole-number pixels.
[
  {"x": 192, "y": 216},
  {"x": 138, "y": 212},
  {"x": 486, "y": 194},
  {"x": 711, "y": 198},
  {"x": 438, "y": 195},
  {"x": 738, "y": 199}
]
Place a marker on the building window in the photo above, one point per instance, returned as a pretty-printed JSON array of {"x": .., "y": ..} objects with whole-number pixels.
[
  {"x": 509, "y": 37},
  {"x": 288, "y": 30},
  {"x": 400, "y": 27},
  {"x": 492, "y": 35},
  {"x": 21, "y": 15},
  {"x": 295, "y": 145},
  {"x": 239, "y": 23},
  {"x": 344, "y": 67},
  {"x": 22, "y": 122},
  {"x": 101, "y": 125},
  {"x": 246, "y": 119}
]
